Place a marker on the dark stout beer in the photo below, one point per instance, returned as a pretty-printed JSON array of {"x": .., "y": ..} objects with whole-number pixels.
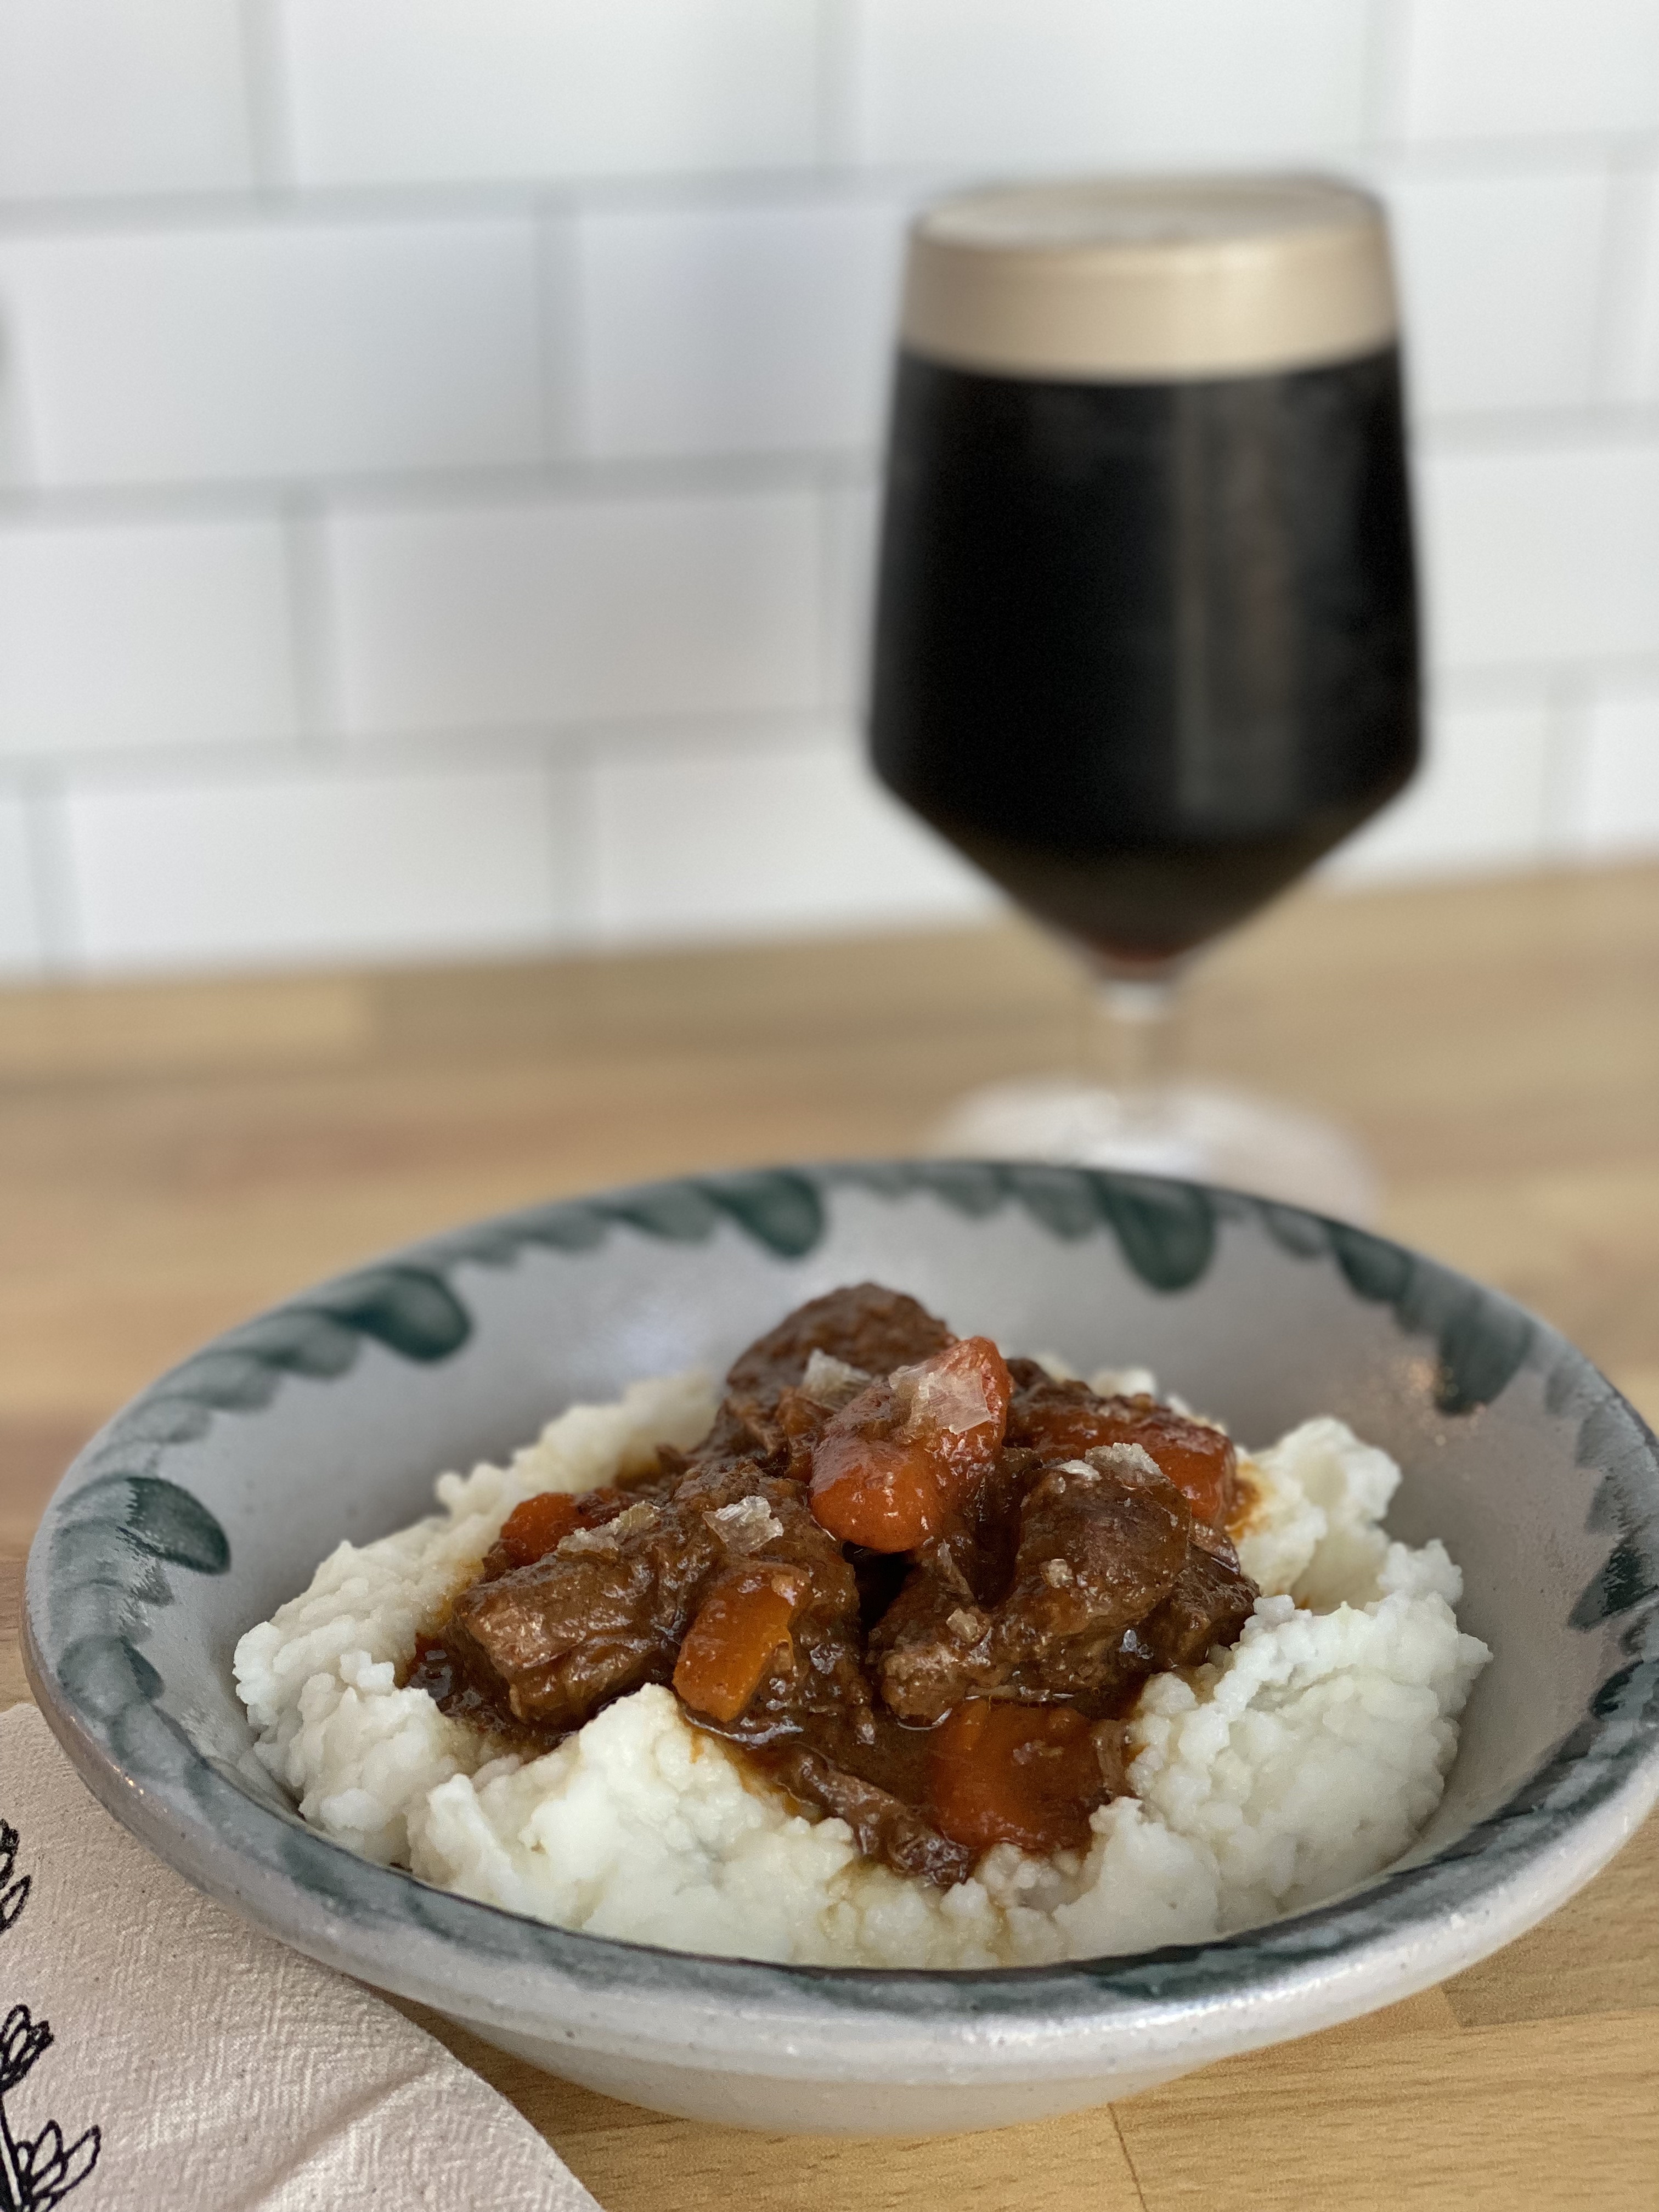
[{"x": 1146, "y": 643}]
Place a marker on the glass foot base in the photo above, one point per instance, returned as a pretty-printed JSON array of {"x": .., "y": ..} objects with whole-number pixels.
[{"x": 1208, "y": 1134}]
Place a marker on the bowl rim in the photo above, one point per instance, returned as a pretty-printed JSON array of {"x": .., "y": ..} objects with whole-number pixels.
[{"x": 1406, "y": 1928}]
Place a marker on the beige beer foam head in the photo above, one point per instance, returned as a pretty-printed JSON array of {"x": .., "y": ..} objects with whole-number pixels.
[{"x": 1131, "y": 278}]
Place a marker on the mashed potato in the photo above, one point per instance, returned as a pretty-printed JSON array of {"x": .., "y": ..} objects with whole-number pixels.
[{"x": 1297, "y": 1763}]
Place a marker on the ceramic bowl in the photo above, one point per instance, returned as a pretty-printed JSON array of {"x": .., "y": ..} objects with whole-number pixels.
[{"x": 211, "y": 1499}]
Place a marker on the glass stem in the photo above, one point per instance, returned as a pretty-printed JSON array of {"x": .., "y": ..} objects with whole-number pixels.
[{"x": 1135, "y": 1033}]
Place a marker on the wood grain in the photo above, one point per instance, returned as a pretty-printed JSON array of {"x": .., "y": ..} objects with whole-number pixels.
[
  {"x": 1486, "y": 2119},
  {"x": 173, "y": 1157}
]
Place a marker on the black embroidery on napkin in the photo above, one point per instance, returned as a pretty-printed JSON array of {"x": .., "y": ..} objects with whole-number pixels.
[{"x": 33, "y": 2174}]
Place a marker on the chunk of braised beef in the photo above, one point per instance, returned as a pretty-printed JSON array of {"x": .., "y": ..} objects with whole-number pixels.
[
  {"x": 542, "y": 1522},
  {"x": 930, "y": 1646},
  {"x": 932, "y": 1649},
  {"x": 1102, "y": 1543},
  {"x": 1035, "y": 1390},
  {"x": 765, "y": 1521},
  {"x": 863, "y": 1326},
  {"x": 978, "y": 1550},
  {"x": 599, "y": 1617},
  {"x": 972, "y": 1559},
  {"x": 880, "y": 1576},
  {"x": 1217, "y": 1542},
  {"x": 1209, "y": 1604},
  {"x": 779, "y": 1433},
  {"x": 1101, "y": 1540},
  {"x": 1066, "y": 1420},
  {"x": 607, "y": 1610}
]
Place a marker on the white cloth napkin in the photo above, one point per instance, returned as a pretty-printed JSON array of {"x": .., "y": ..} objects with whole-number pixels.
[{"x": 196, "y": 2065}]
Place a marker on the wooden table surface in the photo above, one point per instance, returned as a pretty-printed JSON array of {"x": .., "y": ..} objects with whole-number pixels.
[{"x": 173, "y": 1157}]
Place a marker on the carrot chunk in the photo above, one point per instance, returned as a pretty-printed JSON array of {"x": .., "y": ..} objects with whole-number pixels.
[
  {"x": 879, "y": 1492},
  {"x": 531, "y": 1530},
  {"x": 1006, "y": 1773},
  {"x": 957, "y": 1403},
  {"x": 730, "y": 1644},
  {"x": 890, "y": 1466}
]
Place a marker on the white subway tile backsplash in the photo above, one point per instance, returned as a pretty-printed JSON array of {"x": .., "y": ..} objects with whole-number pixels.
[
  {"x": 1501, "y": 278},
  {"x": 993, "y": 82},
  {"x": 1479, "y": 800},
  {"x": 144, "y": 633},
  {"x": 20, "y": 945},
  {"x": 711, "y": 329},
  {"x": 1053, "y": 83},
  {"x": 744, "y": 838},
  {"x": 1542, "y": 554},
  {"x": 371, "y": 243},
  {"x": 1273, "y": 81},
  {"x": 1505, "y": 68},
  {"x": 1616, "y": 809},
  {"x": 1633, "y": 337},
  {"x": 576, "y": 609},
  {"x": 113, "y": 96},
  {"x": 301, "y": 867},
  {"x": 386, "y": 91},
  {"x": 275, "y": 348}
]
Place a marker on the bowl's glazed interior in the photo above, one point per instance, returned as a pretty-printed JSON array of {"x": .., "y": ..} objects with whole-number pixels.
[{"x": 212, "y": 1499}]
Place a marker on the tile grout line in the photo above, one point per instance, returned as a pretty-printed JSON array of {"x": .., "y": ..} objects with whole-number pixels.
[
  {"x": 716, "y": 473},
  {"x": 1524, "y": 430},
  {"x": 834, "y": 177},
  {"x": 506, "y": 743},
  {"x": 1461, "y": 686},
  {"x": 712, "y": 474}
]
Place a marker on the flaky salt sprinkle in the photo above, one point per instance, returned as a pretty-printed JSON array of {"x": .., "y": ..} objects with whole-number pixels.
[
  {"x": 831, "y": 1382},
  {"x": 745, "y": 1524},
  {"x": 610, "y": 1534},
  {"x": 1125, "y": 1459}
]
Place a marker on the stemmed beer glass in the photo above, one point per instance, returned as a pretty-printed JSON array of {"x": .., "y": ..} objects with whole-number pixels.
[{"x": 1147, "y": 637}]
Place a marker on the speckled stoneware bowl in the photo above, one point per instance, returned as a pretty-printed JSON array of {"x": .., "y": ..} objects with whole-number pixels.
[{"x": 211, "y": 1499}]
